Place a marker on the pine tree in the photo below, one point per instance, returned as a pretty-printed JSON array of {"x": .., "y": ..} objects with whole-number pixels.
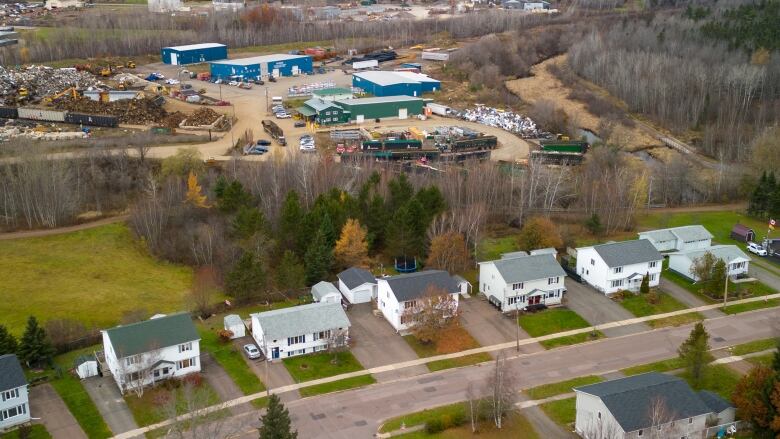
[
  {"x": 35, "y": 348},
  {"x": 290, "y": 274},
  {"x": 432, "y": 202},
  {"x": 276, "y": 422},
  {"x": 403, "y": 236},
  {"x": 247, "y": 279},
  {"x": 594, "y": 226},
  {"x": 329, "y": 230},
  {"x": 219, "y": 186},
  {"x": 234, "y": 197},
  {"x": 758, "y": 198},
  {"x": 695, "y": 353},
  {"x": 247, "y": 222},
  {"x": 644, "y": 288},
  {"x": 318, "y": 259},
  {"x": 290, "y": 222},
  {"x": 401, "y": 191},
  {"x": 376, "y": 220},
  {"x": 8, "y": 343}
]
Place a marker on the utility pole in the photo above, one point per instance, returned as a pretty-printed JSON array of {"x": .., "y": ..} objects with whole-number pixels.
[
  {"x": 726, "y": 287},
  {"x": 517, "y": 325}
]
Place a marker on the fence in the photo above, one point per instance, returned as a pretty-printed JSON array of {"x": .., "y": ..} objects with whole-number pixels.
[{"x": 728, "y": 429}]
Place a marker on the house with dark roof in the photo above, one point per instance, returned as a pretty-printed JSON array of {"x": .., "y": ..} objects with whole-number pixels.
[
  {"x": 399, "y": 296},
  {"x": 619, "y": 266},
  {"x": 680, "y": 239},
  {"x": 142, "y": 353},
  {"x": 648, "y": 405},
  {"x": 14, "y": 400},
  {"x": 515, "y": 283},
  {"x": 357, "y": 285},
  {"x": 300, "y": 330}
]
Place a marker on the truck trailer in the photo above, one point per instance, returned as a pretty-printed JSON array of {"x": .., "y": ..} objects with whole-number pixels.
[{"x": 273, "y": 129}]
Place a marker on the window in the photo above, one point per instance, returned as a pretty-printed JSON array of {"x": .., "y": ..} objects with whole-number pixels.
[
  {"x": 652, "y": 277},
  {"x": 517, "y": 286},
  {"x": 185, "y": 347},
  {"x": 135, "y": 359},
  {"x": 599, "y": 415},
  {"x": 301, "y": 351},
  {"x": 13, "y": 411},
  {"x": 552, "y": 280},
  {"x": 297, "y": 339},
  {"x": 322, "y": 335},
  {"x": 188, "y": 362},
  {"x": 617, "y": 283},
  {"x": 653, "y": 264},
  {"x": 511, "y": 300},
  {"x": 592, "y": 262},
  {"x": 10, "y": 394},
  {"x": 410, "y": 304},
  {"x": 406, "y": 319},
  {"x": 618, "y": 270},
  {"x": 640, "y": 432},
  {"x": 290, "y": 354},
  {"x": 690, "y": 420}
]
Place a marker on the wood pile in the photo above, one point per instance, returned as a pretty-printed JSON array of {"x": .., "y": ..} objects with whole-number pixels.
[
  {"x": 202, "y": 116},
  {"x": 130, "y": 111}
]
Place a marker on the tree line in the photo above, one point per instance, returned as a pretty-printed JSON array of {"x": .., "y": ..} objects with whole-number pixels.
[{"x": 765, "y": 199}]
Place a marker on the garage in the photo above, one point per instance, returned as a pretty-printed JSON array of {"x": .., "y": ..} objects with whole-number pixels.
[
  {"x": 403, "y": 113},
  {"x": 193, "y": 53},
  {"x": 261, "y": 66},
  {"x": 357, "y": 285}
]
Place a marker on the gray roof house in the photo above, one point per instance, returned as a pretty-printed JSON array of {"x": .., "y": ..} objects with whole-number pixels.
[
  {"x": 414, "y": 285},
  {"x": 678, "y": 238},
  {"x": 14, "y": 403},
  {"x": 399, "y": 295},
  {"x": 515, "y": 283},
  {"x": 736, "y": 260},
  {"x": 357, "y": 285},
  {"x": 630, "y": 407},
  {"x": 619, "y": 266},
  {"x": 618, "y": 254}
]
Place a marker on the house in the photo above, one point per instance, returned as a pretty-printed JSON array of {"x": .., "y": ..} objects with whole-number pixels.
[
  {"x": 234, "y": 324},
  {"x": 325, "y": 292},
  {"x": 742, "y": 233},
  {"x": 299, "y": 330},
  {"x": 357, "y": 285},
  {"x": 630, "y": 407},
  {"x": 322, "y": 111},
  {"x": 14, "y": 401},
  {"x": 142, "y": 353},
  {"x": 396, "y": 294},
  {"x": 517, "y": 283},
  {"x": 679, "y": 239},
  {"x": 736, "y": 259},
  {"x": 619, "y": 266}
]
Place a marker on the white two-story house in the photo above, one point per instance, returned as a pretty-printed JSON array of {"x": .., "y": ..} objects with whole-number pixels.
[
  {"x": 14, "y": 402},
  {"x": 299, "y": 330},
  {"x": 679, "y": 239},
  {"x": 619, "y": 266},
  {"x": 515, "y": 283},
  {"x": 736, "y": 260},
  {"x": 142, "y": 353},
  {"x": 397, "y": 294}
]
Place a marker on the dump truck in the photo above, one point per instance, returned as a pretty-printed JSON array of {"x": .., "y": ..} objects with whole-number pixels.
[{"x": 273, "y": 129}]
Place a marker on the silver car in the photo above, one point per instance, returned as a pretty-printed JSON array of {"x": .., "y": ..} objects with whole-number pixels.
[{"x": 252, "y": 352}]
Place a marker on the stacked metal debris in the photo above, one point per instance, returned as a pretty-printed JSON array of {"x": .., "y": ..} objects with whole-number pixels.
[
  {"x": 41, "y": 81},
  {"x": 131, "y": 111},
  {"x": 507, "y": 120},
  {"x": 202, "y": 116}
]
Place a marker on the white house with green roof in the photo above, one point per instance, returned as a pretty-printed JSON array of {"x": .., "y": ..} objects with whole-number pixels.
[{"x": 142, "y": 353}]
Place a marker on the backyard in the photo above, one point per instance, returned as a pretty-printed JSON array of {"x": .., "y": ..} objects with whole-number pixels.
[
  {"x": 459, "y": 340},
  {"x": 93, "y": 276},
  {"x": 315, "y": 366}
]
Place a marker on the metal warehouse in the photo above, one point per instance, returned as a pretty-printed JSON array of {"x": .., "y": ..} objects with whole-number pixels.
[
  {"x": 402, "y": 107},
  {"x": 194, "y": 53},
  {"x": 380, "y": 83},
  {"x": 262, "y": 66}
]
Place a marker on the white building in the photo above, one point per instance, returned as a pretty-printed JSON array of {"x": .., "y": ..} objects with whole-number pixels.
[
  {"x": 737, "y": 261},
  {"x": 652, "y": 405},
  {"x": 325, "y": 292},
  {"x": 63, "y": 4},
  {"x": 143, "y": 353},
  {"x": 14, "y": 401},
  {"x": 620, "y": 265},
  {"x": 299, "y": 330},
  {"x": 162, "y": 6},
  {"x": 678, "y": 239},
  {"x": 518, "y": 282},
  {"x": 357, "y": 285},
  {"x": 234, "y": 324},
  {"x": 86, "y": 366},
  {"x": 396, "y": 294}
]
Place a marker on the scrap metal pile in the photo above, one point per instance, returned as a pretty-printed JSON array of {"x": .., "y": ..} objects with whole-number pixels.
[
  {"x": 130, "y": 111},
  {"x": 507, "y": 120},
  {"x": 306, "y": 89},
  {"x": 41, "y": 81},
  {"x": 202, "y": 116}
]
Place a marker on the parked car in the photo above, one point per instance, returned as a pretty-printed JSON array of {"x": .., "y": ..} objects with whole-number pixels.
[
  {"x": 756, "y": 249},
  {"x": 252, "y": 352},
  {"x": 283, "y": 115},
  {"x": 299, "y": 124}
]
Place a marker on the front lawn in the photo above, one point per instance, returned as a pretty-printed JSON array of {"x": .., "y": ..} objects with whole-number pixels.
[
  {"x": 718, "y": 378},
  {"x": 157, "y": 403},
  {"x": 571, "y": 339},
  {"x": 93, "y": 276},
  {"x": 755, "y": 346},
  {"x": 514, "y": 426},
  {"x": 551, "y": 321},
  {"x": 641, "y": 306},
  {"x": 458, "y": 339},
  {"x": 763, "y": 360},
  {"x": 420, "y": 418},
  {"x": 554, "y": 389},
  {"x": 36, "y": 431},
  {"x": 563, "y": 412},
  {"x": 335, "y": 386},
  {"x": 751, "y": 306},
  {"x": 315, "y": 366},
  {"x": 231, "y": 359},
  {"x": 658, "y": 366},
  {"x": 719, "y": 223}
]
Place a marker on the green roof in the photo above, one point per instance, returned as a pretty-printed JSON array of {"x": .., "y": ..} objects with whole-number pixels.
[
  {"x": 306, "y": 111},
  {"x": 318, "y": 104},
  {"x": 157, "y": 333},
  {"x": 332, "y": 91}
]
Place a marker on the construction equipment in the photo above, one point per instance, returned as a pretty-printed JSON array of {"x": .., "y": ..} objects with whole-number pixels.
[
  {"x": 105, "y": 71},
  {"x": 71, "y": 91},
  {"x": 130, "y": 64}
]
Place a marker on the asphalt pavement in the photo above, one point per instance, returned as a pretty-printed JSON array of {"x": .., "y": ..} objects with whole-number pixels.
[
  {"x": 47, "y": 408},
  {"x": 597, "y": 309},
  {"x": 109, "y": 401}
]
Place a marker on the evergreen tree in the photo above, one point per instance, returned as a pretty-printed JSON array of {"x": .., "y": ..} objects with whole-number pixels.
[
  {"x": 594, "y": 226},
  {"x": 234, "y": 197},
  {"x": 291, "y": 222},
  {"x": 8, "y": 343},
  {"x": 376, "y": 219},
  {"x": 318, "y": 259},
  {"x": 758, "y": 199},
  {"x": 405, "y": 233},
  {"x": 290, "y": 274},
  {"x": 247, "y": 279},
  {"x": 695, "y": 353},
  {"x": 776, "y": 360},
  {"x": 35, "y": 348},
  {"x": 247, "y": 222},
  {"x": 644, "y": 288},
  {"x": 401, "y": 191},
  {"x": 219, "y": 186},
  {"x": 276, "y": 422},
  {"x": 432, "y": 202},
  {"x": 717, "y": 283},
  {"x": 329, "y": 230}
]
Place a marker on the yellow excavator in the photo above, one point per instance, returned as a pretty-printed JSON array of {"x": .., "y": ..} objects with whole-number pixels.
[{"x": 72, "y": 92}]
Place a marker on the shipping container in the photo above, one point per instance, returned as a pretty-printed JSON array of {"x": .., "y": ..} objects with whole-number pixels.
[
  {"x": 476, "y": 143},
  {"x": 43, "y": 115},
  {"x": 8, "y": 113},
  {"x": 436, "y": 56},
  {"x": 92, "y": 120},
  {"x": 441, "y": 110},
  {"x": 402, "y": 144},
  {"x": 362, "y": 65},
  {"x": 578, "y": 146}
]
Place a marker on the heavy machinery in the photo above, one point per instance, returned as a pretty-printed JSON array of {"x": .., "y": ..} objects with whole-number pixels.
[
  {"x": 130, "y": 64},
  {"x": 72, "y": 92}
]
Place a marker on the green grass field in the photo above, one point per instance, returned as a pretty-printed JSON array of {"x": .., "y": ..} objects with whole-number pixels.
[
  {"x": 514, "y": 426},
  {"x": 658, "y": 366},
  {"x": 719, "y": 223},
  {"x": 718, "y": 378},
  {"x": 36, "y": 431},
  {"x": 93, "y": 276},
  {"x": 419, "y": 418},
  {"x": 231, "y": 359},
  {"x": 153, "y": 406},
  {"x": 763, "y": 360},
  {"x": 563, "y": 412},
  {"x": 335, "y": 386},
  {"x": 314, "y": 366},
  {"x": 755, "y": 346},
  {"x": 640, "y": 306},
  {"x": 571, "y": 339},
  {"x": 554, "y": 389},
  {"x": 551, "y": 321}
]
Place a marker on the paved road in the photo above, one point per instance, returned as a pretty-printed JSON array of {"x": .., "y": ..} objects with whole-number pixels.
[
  {"x": 597, "y": 309},
  {"x": 687, "y": 299},
  {"x": 47, "y": 405},
  {"x": 544, "y": 426},
  {"x": 272, "y": 374},
  {"x": 109, "y": 402},
  {"x": 765, "y": 275}
]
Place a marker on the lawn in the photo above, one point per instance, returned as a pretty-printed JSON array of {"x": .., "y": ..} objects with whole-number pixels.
[
  {"x": 562, "y": 412},
  {"x": 548, "y": 390},
  {"x": 335, "y": 386},
  {"x": 155, "y": 405},
  {"x": 464, "y": 341},
  {"x": 515, "y": 426},
  {"x": 640, "y": 306},
  {"x": 736, "y": 292},
  {"x": 231, "y": 359},
  {"x": 551, "y": 321},
  {"x": 763, "y": 360},
  {"x": 36, "y": 431},
  {"x": 658, "y": 366},
  {"x": 75, "y": 274},
  {"x": 419, "y": 418},
  {"x": 751, "y": 306},
  {"x": 718, "y": 378},
  {"x": 755, "y": 346},
  {"x": 492, "y": 248},
  {"x": 315, "y": 366},
  {"x": 719, "y": 223},
  {"x": 571, "y": 339}
]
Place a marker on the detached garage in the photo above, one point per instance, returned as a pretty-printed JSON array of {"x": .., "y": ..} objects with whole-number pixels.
[
  {"x": 357, "y": 285},
  {"x": 364, "y": 109},
  {"x": 263, "y": 66},
  {"x": 194, "y": 53}
]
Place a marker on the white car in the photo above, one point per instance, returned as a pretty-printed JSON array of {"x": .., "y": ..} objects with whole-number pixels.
[
  {"x": 756, "y": 249},
  {"x": 281, "y": 115},
  {"x": 252, "y": 352}
]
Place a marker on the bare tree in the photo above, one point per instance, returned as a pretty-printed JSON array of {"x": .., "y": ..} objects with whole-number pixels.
[
  {"x": 185, "y": 410},
  {"x": 431, "y": 314},
  {"x": 501, "y": 389},
  {"x": 473, "y": 402},
  {"x": 136, "y": 371},
  {"x": 338, "y": 342}
]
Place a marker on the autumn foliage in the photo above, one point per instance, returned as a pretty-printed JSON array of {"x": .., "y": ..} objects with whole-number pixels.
[
  {"x": 539, "y": 232},
  {"x": 195, "y": 192},
  {"x": 352, "y": 247},
  {"x": 448, "y": 252}
]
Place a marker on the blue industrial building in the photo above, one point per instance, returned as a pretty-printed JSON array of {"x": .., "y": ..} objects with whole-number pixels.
[
  {"x": 194, "y": 53},
  {"x": 262, "y": 66},
  {"x": 379, "y": 83}
]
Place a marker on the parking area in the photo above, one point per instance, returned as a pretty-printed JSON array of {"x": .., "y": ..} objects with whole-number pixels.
[
  {"x": 272, "y": 374},
  {"x": 597, "y": 309},
  {"x": 54, "y": 414},
  {"x": 489, "y": 326},
  {"x": 109, "y": 402},
  {"x": 221, "y": 382},
  {"x": 375, "y": 343}
]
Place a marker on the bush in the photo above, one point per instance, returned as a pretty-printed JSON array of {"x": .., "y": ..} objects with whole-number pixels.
[
  {"x": 434, "y": 426},
  {"x": 653, "y": 297},
  {"x": 194, "y": 379},
  {"x": 225, "y": 335}
]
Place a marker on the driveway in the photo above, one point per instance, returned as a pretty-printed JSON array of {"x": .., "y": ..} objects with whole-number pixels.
[
  {"x": 375, "y": 343},
  {"x": 47, "y": 405},
  {"x": 109, "y": 402},
  {"x": 597, "y": 308},
  {"x": 544, "y": 426},
  {"x": 765, "y": 276},
  {"x": 221, "y": 382},
  {"x": 489, "y": 326},
  {"x": 688, "y": 299},
  {"x": 273, "y": 374}
]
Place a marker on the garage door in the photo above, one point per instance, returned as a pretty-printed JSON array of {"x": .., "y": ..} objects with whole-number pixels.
[
  {"x": 403, "y": 113},
  {"x": 359, "y": 118},
  {"x": 174, "y": 59},
  {"x": 276, "y": 73},
  {"x": 295, "y": 70}
]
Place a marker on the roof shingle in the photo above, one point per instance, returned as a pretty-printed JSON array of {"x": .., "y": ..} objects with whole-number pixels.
[
  {"x": 304, "y": 319},
  {"x": 152, "y": 334},
  {"x": 11, "y": 373},
  {"x": 618, "y": 254},
  {"x": 355, "y": 277},
  {"x": 414, "y": 285},
  {"x": 528, "y": 268}
]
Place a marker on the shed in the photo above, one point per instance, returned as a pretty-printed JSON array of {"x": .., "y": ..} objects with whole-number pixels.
[
  {"x": 325, "y": 292},
  {"x": 357, "y": 285},
  {"x": 263, "y": 66},
  {"x": 742, "y": 233},
  {"x": 362, "y": 109},
  {"x": 86, "y": 366},
  {"x": 193, "y": 53},
  {"x": 464, "y": 286},
  {"x": 234, "y": 324}
]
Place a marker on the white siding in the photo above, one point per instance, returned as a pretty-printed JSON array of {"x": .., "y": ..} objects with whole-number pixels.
[
  {"x": 595, "y": 272},
  {"x": 392, "y": 309},
  {"x": 360, "y": 294},
  {"x": 289, "y": 348},
  {"x": 491, "y": 283},
  {"x": 683, "y": 263},
  {"x": 18, "y": 403}
]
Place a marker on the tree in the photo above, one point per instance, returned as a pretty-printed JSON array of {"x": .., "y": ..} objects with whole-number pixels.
[
  {"x": 776, "y": 359},
  {"x": 448, "y": 252},
  {"x": 318, "y": 259},
  {"x": 401, "y": 191},
  {"x": 247, "y": 279},
  {"x": 695, "y": 353},
  {"x": 192, "y": 414},
  {"x": 711, "y": 272},
  {"x": 539, "y": 232},
  {"x": 432, "y": 202},
  {"x": 185, "y": 161},
  {"x": 337, "y": 343},
  {"x": 204, "y": 289},
  {"x": 405, "y": 233},
  {"x": 501, "y": 390},
  {"x": 329, "y": 230},
  {"x": 644, "y": 288},
  {"x": 352, "y": 248},
  {"x": 290, "y": 274},
  {"x": 8, "y": 343},
  {"x": 290, "y": 222},
  {"x": 376, "y": 218},
  {"x": 752, "y": 398},
  {"x": 232, "y": 196},
  {"x": 247, "y": 222},
  {"x": 431, "y": 315},
  {"x": 195, "y": 192},
  {"x": 35, "y": 348},
  {"x": 593, "y": 224},
  {"x": 276, "y": 422}
]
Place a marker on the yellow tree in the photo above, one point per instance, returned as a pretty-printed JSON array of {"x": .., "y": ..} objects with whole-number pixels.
[
  {"x": 351, "y": 248},
  {"x": 539, "y": 232},
  {"x": 195, "y": 192},
  {"x": 448, "y": 252}
]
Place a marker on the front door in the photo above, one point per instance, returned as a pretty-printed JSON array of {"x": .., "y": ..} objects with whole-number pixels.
[
  {"x": 534, "y": 300},
  {"x": 274, "y": 353}
]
